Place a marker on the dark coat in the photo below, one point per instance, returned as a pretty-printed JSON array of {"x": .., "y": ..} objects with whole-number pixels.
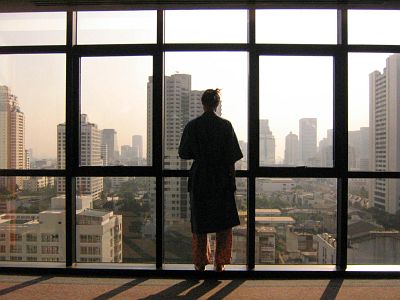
[{"x": 212, "y": 143}]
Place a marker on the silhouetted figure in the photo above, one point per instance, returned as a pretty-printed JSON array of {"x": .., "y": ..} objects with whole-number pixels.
[{"x": 211, "y": 142}]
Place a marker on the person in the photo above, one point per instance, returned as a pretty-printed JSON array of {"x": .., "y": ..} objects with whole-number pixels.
[{"x": 212, "y": 143}]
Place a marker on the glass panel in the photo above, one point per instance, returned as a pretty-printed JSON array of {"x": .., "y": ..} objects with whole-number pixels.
[
  {"x": 300, "y": 26},
  {"x": 373, "y": 224},
  {"x": 373, "y": 111},
  {"x": 32, "y": 104},
  {"x": 178, "y": 227},
  {"x": 32, "y": 225},
  {"x": 373, "y": 27},
  {"x": 206, "y": 26},
  {"x": 116, "y": 112},
  {"x": 296, "y": 221},
  {"x": 190, "y": 76},
  {"x": 19, "y": 29},
  {"x": 296, "y": 111},
  {"x": 117, "y": 27},
  {"x": 115, "y": 219}
]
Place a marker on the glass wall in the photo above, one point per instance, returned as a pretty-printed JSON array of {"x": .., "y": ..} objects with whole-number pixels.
[{"x": 107, "y": 115}]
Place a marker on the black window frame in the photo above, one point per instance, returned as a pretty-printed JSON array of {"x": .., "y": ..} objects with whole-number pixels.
[{"x": 339, "y": 171}]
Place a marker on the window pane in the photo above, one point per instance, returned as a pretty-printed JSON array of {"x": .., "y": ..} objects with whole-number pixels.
[
  {"x": 117, "y": 27},
  {"x": 32, "y": 226},
  {"x": 289, "y": 26},
  {"x": 116, "y": 116},
  {"x": 206, "y": 26},
  {"x": 190, "y": 76},
  {"x": 32, "y": 104},
  {"x": 296, "y": 111},
  {"x": 119, "y": 225},
  {"x": 373, "y": 224},
  {"x": 373, "y": 111},
  {"x": 18, "y": 29},
  {"x": 295, "y": 221},
  {"x": 373, "y": 27},
  {"x": 177, "y": 226}
]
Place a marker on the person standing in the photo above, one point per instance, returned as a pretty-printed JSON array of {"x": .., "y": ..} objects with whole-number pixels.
[{"x": 212, "y": 143}]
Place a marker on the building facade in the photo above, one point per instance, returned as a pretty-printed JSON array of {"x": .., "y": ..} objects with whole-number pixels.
[
  {"x": 384, "y": 136},
  {"x": 307, "y": 140},
  {"x": 90, "y": 155}
]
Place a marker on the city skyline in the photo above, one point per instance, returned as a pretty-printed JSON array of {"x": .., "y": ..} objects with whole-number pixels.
[{"x": 24, "y": 74}]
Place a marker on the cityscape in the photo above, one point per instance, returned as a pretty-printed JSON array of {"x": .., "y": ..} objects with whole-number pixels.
[{"x": 295, "y": 217}]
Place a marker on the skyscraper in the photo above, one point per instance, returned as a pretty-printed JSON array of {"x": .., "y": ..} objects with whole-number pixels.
[
  {"x": 12, "y": 137},
  {"x": 307, "y": 139},
  {"x": 267, "y": 144},
  {"x": 137, "y": 145},
  {"x": 384, "y": 123},
  {"x": 181, "y": 105},
  {"x": 291, "y": 149},
  {"x": 109, "y": 138},
  {"x": 90, "y": 155}
]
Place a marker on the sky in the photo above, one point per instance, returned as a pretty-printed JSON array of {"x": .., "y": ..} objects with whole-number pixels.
[{"x": 114, "y": 89}]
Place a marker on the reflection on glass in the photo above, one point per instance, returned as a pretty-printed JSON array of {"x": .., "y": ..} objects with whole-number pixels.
[
  {"x": 373, "y": 27},
  {"x": 183, "y": 91},
  {"x": 206, "y": 26},
  {"x": 301, "y": 26},
  {"x": 177, "y": 228},
  {"x": 373, "y": 225},
  {"x": 373, "y": 111},
  {"x": 44, "y": 28},
  {"x": 116, "y": 115},
  {"x": 32, "y": 226},
  {"x": 295, "y": 221},
  {"x": 296, "y": 111},
  {"x": 32, "y": 103},
  {"x": 118, "y": 226},
  {"x": 117, "y": 27}
]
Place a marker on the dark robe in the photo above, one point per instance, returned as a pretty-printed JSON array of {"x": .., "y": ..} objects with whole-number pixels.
[{"x": 212, "y": 143}]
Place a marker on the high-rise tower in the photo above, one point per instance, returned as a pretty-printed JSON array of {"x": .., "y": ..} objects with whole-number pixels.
[
  {"x": 384, "y": 121},
  {"x": 12, "y": 137},
  {"x": 267, "y": 144},
  {"x": 291, "y": 149},
  {"x": 109, "y": 138},
  {"x": 307, "y": 139},
  {"x": 90, "y": 155}
]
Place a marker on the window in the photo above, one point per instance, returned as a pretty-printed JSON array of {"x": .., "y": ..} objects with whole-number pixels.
[{"x": 103, "y": 120}]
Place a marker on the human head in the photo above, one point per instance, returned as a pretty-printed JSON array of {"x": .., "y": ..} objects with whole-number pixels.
[{"x": 210, "y": 99}]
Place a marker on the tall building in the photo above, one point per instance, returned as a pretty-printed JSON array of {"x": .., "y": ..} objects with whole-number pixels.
[
  {"x": 267, "y": 144},
  {"x": 90, "y": 155},
  {"x": 137, "y": 147},
  {"x": 182, "y": 104},
  {"x": 307, "y": 139},
  {"x": 384, "y": 136},
  {"x": 291, "y": 149},
  {"x": 12, "y": 138},
  {"x": 358, "y": 147},
  {"x": 109, "y": 138}
]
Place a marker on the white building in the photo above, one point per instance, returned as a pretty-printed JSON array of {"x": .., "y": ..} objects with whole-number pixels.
[
  {"x": 37, "y": 183},
  {"x": 90, "y": 156},
  {"x": 12, "y": 138},
  {"x": 267, "y": 144},
  {"x": 307, "y": 140},
  {"x": 271, "y": 185},
  {"x": 41, "y": 237},
  {"x": 182, "y": 104},
  {"x": 326, "y": 251},
  {"x": 384, "y": 121}
]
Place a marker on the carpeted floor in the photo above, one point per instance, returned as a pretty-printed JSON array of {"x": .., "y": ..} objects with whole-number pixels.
[{"x": 58, "y": 287}]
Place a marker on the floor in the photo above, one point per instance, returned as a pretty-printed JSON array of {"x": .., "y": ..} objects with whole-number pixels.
[{"x": 59, "y": 287}]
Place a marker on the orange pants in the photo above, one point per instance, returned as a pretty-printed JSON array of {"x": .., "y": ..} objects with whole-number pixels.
[{"x": 223, "y": 248}]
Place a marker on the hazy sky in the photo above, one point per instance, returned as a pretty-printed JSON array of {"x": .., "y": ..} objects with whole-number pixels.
[{"x": 114, "y": 89}]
